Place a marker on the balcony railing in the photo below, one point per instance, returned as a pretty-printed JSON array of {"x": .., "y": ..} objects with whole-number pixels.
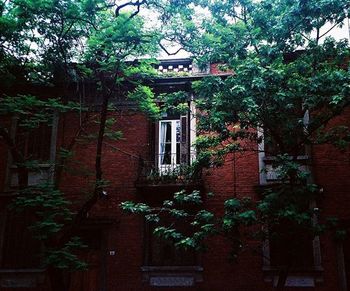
[{"x": 169, "y": 169}]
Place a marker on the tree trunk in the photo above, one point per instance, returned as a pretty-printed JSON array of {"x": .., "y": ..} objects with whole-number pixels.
[{"x": 60, "y": 280}]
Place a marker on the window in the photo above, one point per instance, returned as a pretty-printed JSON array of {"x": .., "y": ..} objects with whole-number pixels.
[
  {"x": 37, "y": 144},
  {"x": 175, "y": 137},
  {"x": 169, "y": 144},
  {"x": 268, "y": 149},
  {"x": 286, "y": 250},
  {"x": 34, "y": 144},
  {"x": 162, "y": 252},
  {"x": 167, "y": 266},
  {"x": 291, "y": 256}
]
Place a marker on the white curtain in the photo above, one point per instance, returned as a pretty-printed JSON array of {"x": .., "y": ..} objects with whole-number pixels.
[{"x": 162, "y": 138}]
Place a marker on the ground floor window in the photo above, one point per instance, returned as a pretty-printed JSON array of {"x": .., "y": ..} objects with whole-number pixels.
[
  {"x": 167, "y": 266},
  {"x": 162, "y": 252}
]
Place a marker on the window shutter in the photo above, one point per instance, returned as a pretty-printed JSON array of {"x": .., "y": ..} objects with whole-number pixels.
[{"x": 184, "y": 149}]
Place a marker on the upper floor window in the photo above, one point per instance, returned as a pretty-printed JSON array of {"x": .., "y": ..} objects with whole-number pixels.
[
  {"x": 34, "y": 144},
  {"x": 169, "y": 143},
  {"x": 175, "y": 135},
  {"x": 172, "y": 150}
]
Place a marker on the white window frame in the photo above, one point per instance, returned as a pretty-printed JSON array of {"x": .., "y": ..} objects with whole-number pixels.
[{"x": 166, "y": 167}]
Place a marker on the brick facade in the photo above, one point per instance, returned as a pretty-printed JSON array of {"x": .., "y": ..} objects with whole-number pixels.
[{"x": 117, "y": 260}]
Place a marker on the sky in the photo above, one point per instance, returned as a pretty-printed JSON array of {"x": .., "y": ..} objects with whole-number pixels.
[{"x": 339, "y": 32}]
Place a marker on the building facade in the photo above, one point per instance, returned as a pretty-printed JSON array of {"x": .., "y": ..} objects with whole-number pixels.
[{"x": 148, "y": 165}]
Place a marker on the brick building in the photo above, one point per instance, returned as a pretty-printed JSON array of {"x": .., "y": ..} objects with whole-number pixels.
[{"x": 123, "y": 254}]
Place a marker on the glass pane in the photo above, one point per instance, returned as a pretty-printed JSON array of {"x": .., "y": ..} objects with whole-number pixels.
[
  {"x": 178, "y": 131},
  {"x": 168, "y": 131},
  {"x": 169, "y": 142},
  {"x": 165, "y": 143},
  {"x": 178, "y": 153},
  {"x": 163, "y": 252},
  {"x": 167, "y": 154}
]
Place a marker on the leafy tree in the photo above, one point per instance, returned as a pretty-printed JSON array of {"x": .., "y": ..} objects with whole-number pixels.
[
  {"x": 50, "y": 46},
  {"x": 286, "y": 78}
]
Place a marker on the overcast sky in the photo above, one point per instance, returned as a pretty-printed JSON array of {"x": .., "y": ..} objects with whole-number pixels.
[{"x": 338, "y": 32}]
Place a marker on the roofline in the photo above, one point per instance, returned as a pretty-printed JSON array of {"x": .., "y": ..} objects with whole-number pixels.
[
  {"x": 180, "y": 80},
  {"x": 171, "y": 61}
]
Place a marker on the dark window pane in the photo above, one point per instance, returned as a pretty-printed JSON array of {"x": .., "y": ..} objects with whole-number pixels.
[
  {"x": 290, "y": 245},
  {"x": 167, "y": 154},
  {"x": 34, "y": 143},
  {"x": 177, "y": 153},
  {"x": 178, "y": 131},
  {"x": 163, "y": 252},
  {"x": 168, "y": 132}
]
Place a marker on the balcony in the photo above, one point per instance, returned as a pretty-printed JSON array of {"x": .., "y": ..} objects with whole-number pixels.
[{"x": 169, "y": 172}]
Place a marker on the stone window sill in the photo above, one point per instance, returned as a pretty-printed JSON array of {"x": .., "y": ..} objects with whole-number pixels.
[
  {"x": 21, "y": 278},
  {"x": 172, "y": 276},
  {"x": 298, "y": 277}
]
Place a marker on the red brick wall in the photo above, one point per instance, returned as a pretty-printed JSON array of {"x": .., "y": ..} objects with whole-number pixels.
[
  {"x": 120, "y": 166},
  {"x": 3, "y": 153},
  {"x": 331, "y": 168},
  {"x": 215, "y": 69}
]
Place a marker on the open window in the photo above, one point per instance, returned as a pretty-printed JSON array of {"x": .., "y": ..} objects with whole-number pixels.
[
  {"x": 174, "y": 141},
  {"x": 169, "y": 144},
  {"x": 169, "y": 162}
]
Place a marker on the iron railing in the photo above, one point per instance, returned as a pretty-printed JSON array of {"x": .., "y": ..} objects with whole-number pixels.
[{"x": 169, "y": 169}]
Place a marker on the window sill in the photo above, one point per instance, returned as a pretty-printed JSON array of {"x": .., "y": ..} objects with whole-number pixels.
[
  {"x": 172, "y": 276},
  {"x": 21, "y": 278},
  {"x": 42, "y": 173},
  {"x": 41, "y": 166},
  {"x": 297, "y": 277},
  {"x": 270, "y": 159}
]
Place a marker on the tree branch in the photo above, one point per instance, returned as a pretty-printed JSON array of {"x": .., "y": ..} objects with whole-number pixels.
[
  {"x": 136, "y": 4},
  {"x": 167, "y": 52},
  {"x": 336, "y": 24}
]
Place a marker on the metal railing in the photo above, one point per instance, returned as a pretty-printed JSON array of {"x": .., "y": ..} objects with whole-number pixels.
[{"x": 169, "y": 169}]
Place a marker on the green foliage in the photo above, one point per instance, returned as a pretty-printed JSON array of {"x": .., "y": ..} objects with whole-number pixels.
[
  {"x": 271, "y": 86},
  {"x": 181, "y": 210},
  {"x": 183, "y": 197},
  {"x": 65, "y": 258},
  {"x": 132, "y": 207},
  {"x": 32, "y": 111},
  {"x": 41, "y": 42},
  {"x": 49, "y": 205},
  {"x": 174, "y": 103},
  {"x": 36, "y": 49},
  {"x": 146, "y": 101}
]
